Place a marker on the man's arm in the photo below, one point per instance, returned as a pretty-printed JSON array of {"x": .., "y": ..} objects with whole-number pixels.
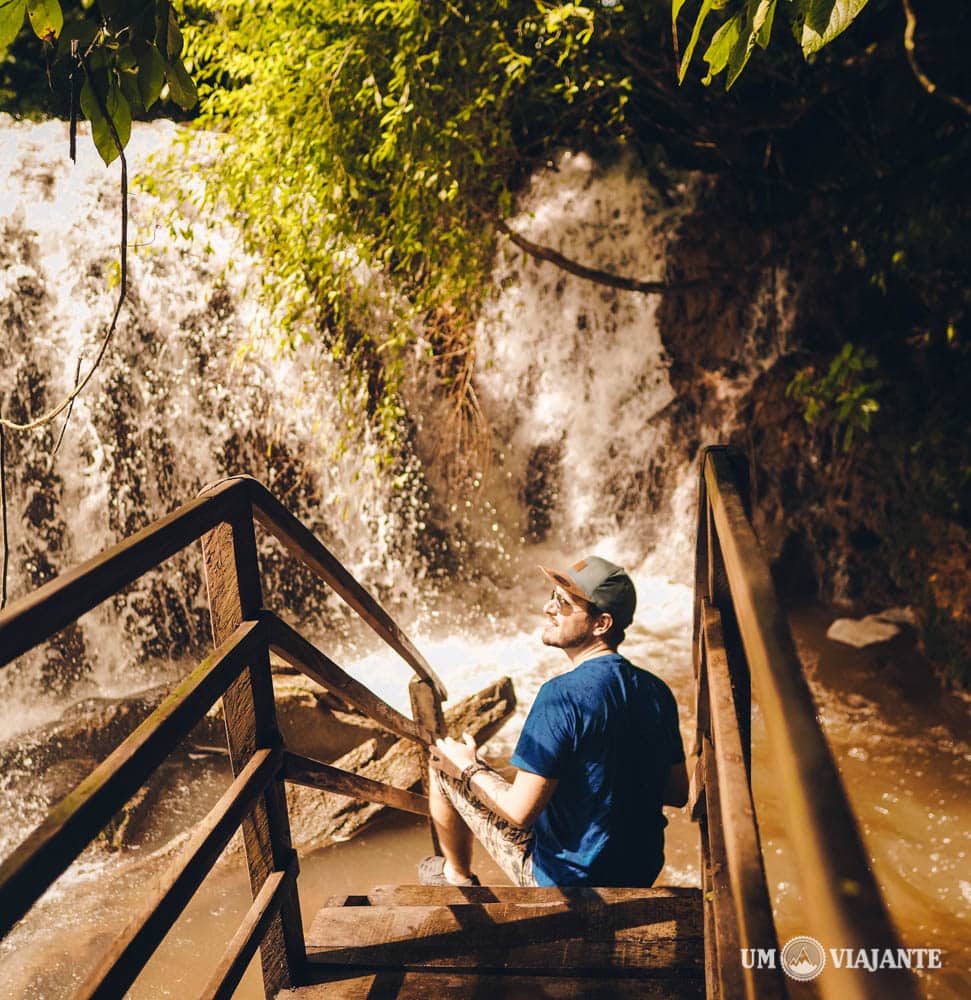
[
  {"x": 676, "y": 790},
  {"x": 519, "y": 803}
]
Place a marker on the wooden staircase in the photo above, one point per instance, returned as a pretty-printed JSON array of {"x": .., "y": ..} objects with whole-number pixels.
[{"x": 413, "y": 941}]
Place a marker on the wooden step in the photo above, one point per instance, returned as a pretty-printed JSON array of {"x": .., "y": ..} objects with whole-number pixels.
[
  {"x": 448, "y": 895},
  {"x": 428, "y": 985},
  {"x": 650, "y": 936}
]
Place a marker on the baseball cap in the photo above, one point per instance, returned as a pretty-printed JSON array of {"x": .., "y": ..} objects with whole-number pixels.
[{"x": 602, "y": 583}]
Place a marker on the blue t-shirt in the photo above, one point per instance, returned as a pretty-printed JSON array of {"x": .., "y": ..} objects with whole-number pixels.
[{"x": 609, "y": 732}]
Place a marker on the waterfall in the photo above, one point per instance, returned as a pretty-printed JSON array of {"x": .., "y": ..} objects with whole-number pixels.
[
  {"x": 588, "y": 450},
  {"x": 194, "y": 386}
]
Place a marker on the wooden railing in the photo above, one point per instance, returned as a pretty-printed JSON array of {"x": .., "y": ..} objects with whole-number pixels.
[
  {"x": 238, "y": 671},
  {"x": 742, "y": 641}
]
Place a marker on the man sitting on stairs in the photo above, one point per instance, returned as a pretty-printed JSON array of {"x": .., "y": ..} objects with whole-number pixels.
[{"x": 599, "y": 756}]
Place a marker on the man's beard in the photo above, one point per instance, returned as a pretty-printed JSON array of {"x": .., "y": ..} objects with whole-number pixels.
[{"x": 551, "y": 637}]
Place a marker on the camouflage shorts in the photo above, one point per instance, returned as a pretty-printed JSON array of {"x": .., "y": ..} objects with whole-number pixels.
[{"x": 511, "y": 847}]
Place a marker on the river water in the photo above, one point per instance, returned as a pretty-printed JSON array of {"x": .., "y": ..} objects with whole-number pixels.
[{"x": 564, "y": 372}]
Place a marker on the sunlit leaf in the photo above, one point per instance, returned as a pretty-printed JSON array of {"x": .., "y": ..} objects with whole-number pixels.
[
  {"x": 762, "y": 24},
  {"x": 722, "y": 43},
  {"x": 11, "y": 18},
  {"x": 825, "y": 20},
  {"x": 695, "y": 34},
  {"x": 46, "y": 18}
]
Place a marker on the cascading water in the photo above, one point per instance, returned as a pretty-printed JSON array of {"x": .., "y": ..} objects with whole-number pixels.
[
  {"x": 172, "y": 407},
  {"x": 588, "y": 452}
]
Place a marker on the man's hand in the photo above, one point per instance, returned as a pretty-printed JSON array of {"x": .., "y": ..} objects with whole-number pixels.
[{"x": 452, "y": 757}]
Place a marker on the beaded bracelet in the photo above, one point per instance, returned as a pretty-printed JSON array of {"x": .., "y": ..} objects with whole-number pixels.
[{"x": 470, "y": 771}]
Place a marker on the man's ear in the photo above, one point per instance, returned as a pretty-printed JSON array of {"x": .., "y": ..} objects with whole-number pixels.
[{"x": 603, "y": 624}]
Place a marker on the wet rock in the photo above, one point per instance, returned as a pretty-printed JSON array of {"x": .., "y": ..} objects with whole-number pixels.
[
  {"x": 318, "y": 818},
  {"x": 541, "y": 489},
  {"x": 860, "y": 632},
  {"x": 40, "y": 768}
]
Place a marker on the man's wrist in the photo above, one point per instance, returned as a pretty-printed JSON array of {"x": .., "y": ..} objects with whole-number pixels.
[{"x": 471, "y": 770}]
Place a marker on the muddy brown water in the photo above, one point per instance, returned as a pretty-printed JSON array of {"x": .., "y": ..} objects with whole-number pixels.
[{"x": 902, "y": 749}]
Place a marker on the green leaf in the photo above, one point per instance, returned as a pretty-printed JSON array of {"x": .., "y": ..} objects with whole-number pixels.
[
  {"x": 181, "y": 88},
  {"x": 11, "y": 18},
  {"x": 695, "y": 33},
  {"x": 722, "y": 43},
  {"x": 825, "y": 20},
  {"x": 742, "y": 49},
  {"x": 732, "y": 45},
  {"x": 129, "y": 87},
  {"x": 762, "y": 25},
  {"x": 120, "y": 113},
  {"x": 173, "y": 37},
  {"x": 151, "y": 75},
  {"x": 46, "y": 18}
]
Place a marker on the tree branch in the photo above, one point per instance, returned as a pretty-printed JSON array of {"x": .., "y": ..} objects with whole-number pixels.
[
  {"x": 594, "y": 274},
  {"x": 922, "y": 78}
]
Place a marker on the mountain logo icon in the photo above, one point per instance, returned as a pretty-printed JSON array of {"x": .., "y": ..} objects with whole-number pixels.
[{"x": 803, "y": 958}]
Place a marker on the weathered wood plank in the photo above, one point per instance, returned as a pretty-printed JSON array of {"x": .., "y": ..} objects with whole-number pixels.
[
  {"x": 327, "y": 778},
  {"x": 653, "y": 936},
  {"x": 133, "y": 948},
  {"x": 302, "y": 543},
  {"x": 75, "y": 820},
  {"x": 299, "y": 653},
  {"x": 452, "y": 895},
  {"x": 233, "y": 582},
  {"x": 241, "y": 949},
  {"x": 427, "y": 711},
  {"x": 431, "y": 985},
  {"x": 701, "y": 569},
  {"x": 724, "y": 922},
  {"x": 736, "y": 819},
  {"x": 719, "y": 596},
  {"x": 712, "y": 981},
  {"x": 320, "y": 818},
  {"x": 39, "y": 614},
  {"x": 844, "y": 903}
]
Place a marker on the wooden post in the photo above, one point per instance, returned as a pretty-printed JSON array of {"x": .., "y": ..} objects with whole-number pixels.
[
  {"x": 232, "y": 578},
  {"x": 426, "y": 710}
]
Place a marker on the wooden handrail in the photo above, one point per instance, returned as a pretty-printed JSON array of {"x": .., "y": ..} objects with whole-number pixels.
[
  {"x": 241, "y": 949},
  {"x": 38, "y": 615},
  {"x": 289, "y": 644},
  {"x": 735, "y": 821},
  {"x": 302, "y": 543},
  {"x": 120, "y": 967},
  {"x": 238, "y": 671},
  {"x": 71, "y": 825},
  {"x": 302, "y": 770},
  {"x": 843, "y": 903}
]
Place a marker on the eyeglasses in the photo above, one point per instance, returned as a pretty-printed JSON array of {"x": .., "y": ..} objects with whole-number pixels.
[{"x": 563, "y": 606}]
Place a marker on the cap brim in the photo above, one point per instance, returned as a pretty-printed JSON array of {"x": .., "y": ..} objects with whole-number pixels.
[{"x": 566, "y": 583}]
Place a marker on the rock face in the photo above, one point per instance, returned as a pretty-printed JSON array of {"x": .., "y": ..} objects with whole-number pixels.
[{"x": 876, "y": 524}]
